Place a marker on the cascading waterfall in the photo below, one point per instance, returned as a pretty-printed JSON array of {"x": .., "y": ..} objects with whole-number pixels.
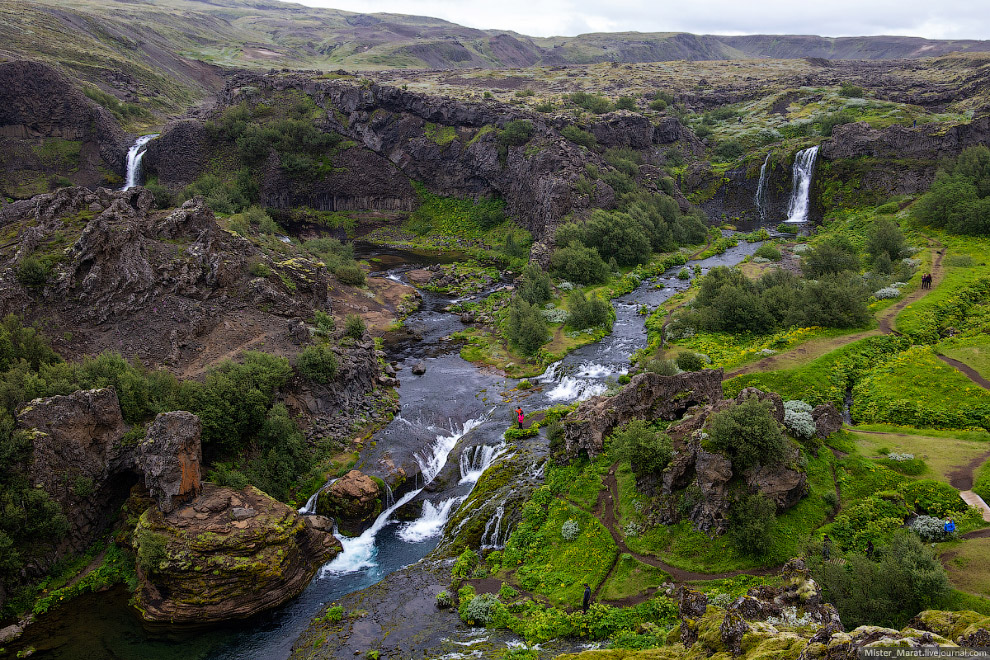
[
  {"x": 475, "y": 460},
  {"x": 587, "y": 381},
  {"x": 134, "y": 156},
  {"x": 310, "y": 507},
  {"x": 431, "y": 522},
  {"x": 359, "y": 552},
  {"x": 389, "y": 497},
  {"x": 804, "y": 169},
  {"x": 491, "y": 537},
  {"x": 761, "y": 189}
]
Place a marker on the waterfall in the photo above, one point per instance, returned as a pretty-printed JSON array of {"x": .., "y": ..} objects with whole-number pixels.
[
  {"x": 310, "y": 506},
  {"x": 475, "y": 460},
  {"x": 804, "y": 168},
  {"x": 431, "y": 464},
  {"x": 586, "y": 382},
  {"x": 134, "y": 156},
  {"x": 431, "y": 522},
  {"x": 761, "y": 189},
  {"x": 493, "y": 529},
  {"x": 389, "y": 497}
]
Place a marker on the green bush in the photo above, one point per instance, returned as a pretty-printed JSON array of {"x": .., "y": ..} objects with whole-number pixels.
[
  {"x": 830, "y": 256},
  {"x": 625, "y": 103},
  {"x": 751, "y": 523},
  {"x": 516, "y": 133},
  {"x": 748, "y": 434},
  {"x": 318, "y": 364},
  {"x": 935, "y": 498},
  {"x": 334, "y": 614},
  {"x": 151, "y": 550},
  {"x": 592, "y": 102},
  {"x": 465, "y": 564},
  {"x": 828, "y": 123},
  {"x": 588, "y": 312},
  {"x": 662, "y": 367},
  {"x": 578, "y": 263},
  {"x": 354, "y": 326},
  {"x": 579, "y": 136},
  {"x": 981, "y": 483},
  {"x": 850, "y": 90},
  {"x": 647, "y": 450},
  {"x": 259, "y": 269},
  {"x": 959, "y": 198},
  {"x": 768, "y": 251},
  {"x": 729, "y": 150},
  {"x": 536, "y": 287},
  {"x": 325, "y": 325},
  {"x": 907, "y": 579},
  {"x": 884, "y": 237},
  {"x": 351, "y": 274},
  {"x": 688, "y": 361},
  {"x": 525, "y": 326},
  {"x": 32, "y": 272}
]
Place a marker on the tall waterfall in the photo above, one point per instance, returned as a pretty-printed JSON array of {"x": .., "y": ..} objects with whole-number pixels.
[
  {"x": 761, "y": 189},
  {"x": 134, "y": 156},
  {"x": 804, "y": 168}
]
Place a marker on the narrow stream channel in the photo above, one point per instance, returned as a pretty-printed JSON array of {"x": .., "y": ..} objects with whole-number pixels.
[{"x": 453, "y": 404}]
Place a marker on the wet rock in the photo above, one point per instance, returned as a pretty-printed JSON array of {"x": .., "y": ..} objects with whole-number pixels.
[
  {"x": 200, "y": 564},
  {"x": 647, "y": 396},
  {"x": 354, "y": 501},
  {"x": 241, "y": 513},
  {"x": 828, "y": 420},
  {"x": 171, "y": 456},
  {"x": 467, "y": 317},
  {"x": 419, "y": 368}
]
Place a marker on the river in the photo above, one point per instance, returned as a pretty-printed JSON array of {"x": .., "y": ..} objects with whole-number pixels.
[{"x": 453, "y": 406}]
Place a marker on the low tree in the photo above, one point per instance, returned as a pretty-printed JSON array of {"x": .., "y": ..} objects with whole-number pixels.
[
  {"x": 525, "y": 326},
  {"x": 830, "y": 256},
  {"x": 648, "y": 451},
  {"x": 748, "y": 434}
]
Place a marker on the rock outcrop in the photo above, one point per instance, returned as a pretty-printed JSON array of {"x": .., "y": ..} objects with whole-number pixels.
[
  {"x": 40, "y": 105},
  {"x": 226, "y": 555},
  {"x": 170, "y": 458},
  {"x": 80, "y": 461},
  {"x": 354, "y": 501},
  {"x": 646, "y": 396}
]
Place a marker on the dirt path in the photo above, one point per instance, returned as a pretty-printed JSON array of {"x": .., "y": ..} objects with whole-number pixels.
[
  {"x": 92, "y": 566},
  {"x": 967, "y": 371},
  {"x": 885, "y": 319}
]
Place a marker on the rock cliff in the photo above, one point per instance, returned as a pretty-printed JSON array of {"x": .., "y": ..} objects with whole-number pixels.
[
  {"x": 49, "y": 130},
  {"x": 226, "y": 555},
  {"x": 354, "y": 501}
]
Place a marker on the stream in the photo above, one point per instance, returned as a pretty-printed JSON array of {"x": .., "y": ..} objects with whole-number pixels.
[{"x": 456, "y": 412}]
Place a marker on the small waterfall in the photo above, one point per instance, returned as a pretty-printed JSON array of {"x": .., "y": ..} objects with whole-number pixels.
[
  {"x": 389, "y": 497},
  {"x": 491, "y": 537},
  {"x": 431, "y": 464},
  {"x": 134, "y": 156},
  {"x": 431, "y": 522},
  {"x": 761, "y": 189},
  {"x": 475, "y": 460},
  {"x": 586, "y": 382},
  {"x": 310, "y": 507},
  {"x": 804, "y": 169}
]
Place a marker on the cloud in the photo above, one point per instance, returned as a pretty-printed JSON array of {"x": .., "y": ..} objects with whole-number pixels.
[{"x": 946, "y": 19}]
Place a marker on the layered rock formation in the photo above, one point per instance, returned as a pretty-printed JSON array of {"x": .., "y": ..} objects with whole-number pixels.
[
  {"x": 170, "y": 458},
  {"x": 354, "y": 501},
  {"x": 647, "y": 396},
  {"x": 80, "y": 141},
  {"x": 226, "y": 555}
]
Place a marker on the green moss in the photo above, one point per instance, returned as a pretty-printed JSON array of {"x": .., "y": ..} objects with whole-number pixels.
[{"x": 440, "y": 135}]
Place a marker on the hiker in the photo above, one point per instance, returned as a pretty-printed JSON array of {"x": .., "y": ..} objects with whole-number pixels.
[
  {"x": 520, "y": 416},
  {"x": 869, "y": 549},
  {"x": 950, "y": 526},
  {"x": 826, "y": 547},
  {"x": 587, "y": 598}
]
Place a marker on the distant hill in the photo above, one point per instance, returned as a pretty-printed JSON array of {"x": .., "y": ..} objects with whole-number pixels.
[{"x": 164, "y": 54}]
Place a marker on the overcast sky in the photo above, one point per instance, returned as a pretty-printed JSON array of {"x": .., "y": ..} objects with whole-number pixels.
[{"x": 935, "y": 19}]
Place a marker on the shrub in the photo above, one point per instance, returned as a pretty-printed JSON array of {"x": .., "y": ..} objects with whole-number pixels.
[
  {"x": 259, "y": 269},
  {"x": 830, "y": 256},
  {"x": 465, "y": 564},
  {"x": 524, "y": 384},
  {"x": 828, "y": 123},
  {"x": 729, "y": 150},
  {"x": 662, "y": 367},
  {"x": 325, "y": 325},
  {"x": 884, "y": 237},
  {"x": 516, "y": 133},
  {"x": 482, "y": 609},
  {"x": 748, "y": 434},
  {"x": 578, "y": 263},
  {"x": 32, "y": 272},
  {"x": 318, "y": 364},
  {"x": 799, "y": 423},
  {"x": 959, "y": 198},
  {"x": 907, "y": 579},
  {"x": 350, "y": 274},
  {"x": 525, "y": 326},
  {"x": 536, "y": 286},
  {"x": 751, "y": 522},
  {"x": 850, "y": 90},
  {"x": 684, "y": 274},
  {"x": 354, "y": 326},
  {"x": 151, "y": 550},
  {"x": 579, "y": 136},
  {"x": 592, "y": 102},
  {"x": 588, "y": 312},
  {"x": 933, "y": 497},
  {"x": 688, "y": 361},
  {"x": 626, "y": 103},
  {"x": 647, "y": 450},
  {"x": 886, "y": 293},
  {"x": 981, "y": 485},
  {"x": 443, "y": 600},
  {"x": 768, "y": 251},
  {"x": 570, "y": 530},
  {"x": 334, "y": 614},
  {"x": 929, "y": 528}
]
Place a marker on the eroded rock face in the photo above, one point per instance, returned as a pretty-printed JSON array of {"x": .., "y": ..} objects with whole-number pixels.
[
  {"x": 201, "y": 563},
  {"x": 79, "y": 460},
  {"x": 170, "y": 457},
  {"x": 353, "y": 501},
  {"x": 828, "y": 420},
  {"x": 646, "y": 396}
]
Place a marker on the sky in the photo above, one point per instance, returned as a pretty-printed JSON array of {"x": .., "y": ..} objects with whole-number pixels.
[{"x": 935, "y": 19}]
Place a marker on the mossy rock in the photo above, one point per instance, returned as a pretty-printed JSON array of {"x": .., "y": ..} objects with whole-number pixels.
[{"x": 951, "y": 625}]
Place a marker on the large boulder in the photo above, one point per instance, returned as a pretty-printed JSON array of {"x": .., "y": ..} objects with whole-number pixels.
[
  {"x": 646, "y": 396},
  {"x": 354, "y": 501},
  {"x": 828, "y": 420},
  {"x": 226, "y": 555},
  {"x": 171, "y": 456}
]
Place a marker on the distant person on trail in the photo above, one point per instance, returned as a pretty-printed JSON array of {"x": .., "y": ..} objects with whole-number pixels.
[
  {"x": 587, "y": 598},
  {"x": 950, "y": 526},
  {"x": 826, "y": 547},
  {"x": 520, "y": 416},
  {"x": 869, "y": 549}
]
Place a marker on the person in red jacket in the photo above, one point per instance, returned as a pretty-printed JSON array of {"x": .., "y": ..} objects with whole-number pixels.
[{"x": 520, "y": 416}]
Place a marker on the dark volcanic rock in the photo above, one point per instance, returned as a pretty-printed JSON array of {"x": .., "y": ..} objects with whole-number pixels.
[
  {"x": 203, "y": 563},
  {"x": 828, "y": 420},
  {"x": 647, "y": 396},
  {"x": 171, "y": 456}
]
